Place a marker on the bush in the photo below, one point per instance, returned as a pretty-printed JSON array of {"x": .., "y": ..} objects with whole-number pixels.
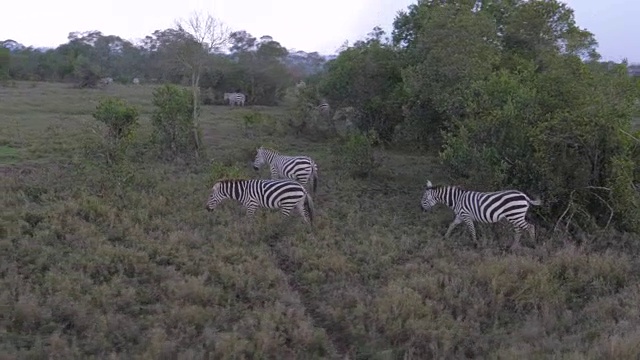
[
  {"x": 356, "y": 153},
  {"x": 120, "y": 117},
  {"x": 573, "y": 151},
  {"x": 221, "y": 171},
  {"x": 172, "y": 120},
  {"x": 121, "y": 120},
  {"x": 305, "y": 118}
]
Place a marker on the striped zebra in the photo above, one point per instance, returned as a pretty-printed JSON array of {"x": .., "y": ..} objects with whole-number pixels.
[
  {"x": 272, "y": 194},
  {"x": 300, "y": 168},
  {"x": 323, "y": 108},
  {"x": 485, "y": 207},
  {"x": 235, "y": 98}
]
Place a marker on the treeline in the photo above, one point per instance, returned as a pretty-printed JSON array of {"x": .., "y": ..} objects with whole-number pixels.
[
  {"x": 511, "y": 94},
  {"x": 260, "y": 68}
]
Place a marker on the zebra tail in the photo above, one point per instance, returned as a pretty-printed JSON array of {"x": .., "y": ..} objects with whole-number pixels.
[
  {"x": 315, "y": 179},
  {"x": 308, "y": 204},
  {"x": 536, "y": 202}
]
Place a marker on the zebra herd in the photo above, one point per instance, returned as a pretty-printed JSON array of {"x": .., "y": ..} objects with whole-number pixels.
[
  {"x": 285, "y": 190},
  {"x": 235, "y": 98}
]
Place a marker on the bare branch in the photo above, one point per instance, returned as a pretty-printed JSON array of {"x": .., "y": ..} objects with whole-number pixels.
[
  {"x": 564, "y": 213},
  {"x": 631, "y": 136},
  {"x": 211, "y": 33}
]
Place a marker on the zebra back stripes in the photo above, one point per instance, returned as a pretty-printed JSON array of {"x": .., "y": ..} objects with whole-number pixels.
[
  {"x": 485, "y": 207},
  {"x": 300, "y": 168},
  {"x": 235, "y": 98},
  {"x": 266, "y": 193}
]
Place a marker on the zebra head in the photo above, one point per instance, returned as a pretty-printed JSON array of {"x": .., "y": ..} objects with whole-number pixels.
[
  {"x": 260, "y": 159},
  {"x": 218, "y": 194},
  {"x": 429, "y": 199}
]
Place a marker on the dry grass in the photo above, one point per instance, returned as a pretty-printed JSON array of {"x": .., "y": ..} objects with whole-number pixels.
[{"x": 92, "y": 267}]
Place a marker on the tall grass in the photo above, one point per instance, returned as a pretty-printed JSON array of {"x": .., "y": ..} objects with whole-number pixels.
[{"x": 98, "y": 261}]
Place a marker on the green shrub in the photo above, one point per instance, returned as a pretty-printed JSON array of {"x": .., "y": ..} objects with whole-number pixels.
[
  {"x": 172, "y": 120},
  {"x": 356, "y": 154},
  {"x": 121, "y": 120}
]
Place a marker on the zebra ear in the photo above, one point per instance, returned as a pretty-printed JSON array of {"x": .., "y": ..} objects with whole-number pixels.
[{"x": 429, "y": 184}]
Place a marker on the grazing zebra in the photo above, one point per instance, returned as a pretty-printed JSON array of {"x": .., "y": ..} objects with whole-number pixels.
[
  {"x": 235, "y": 98},
  {"x": 106, "y": 81},
  {"x": 273, "y": 194},
  {"x": 485, "y": 207},
  {"x": 323, "y": 108},
  {"x": 300, "y": 168}
]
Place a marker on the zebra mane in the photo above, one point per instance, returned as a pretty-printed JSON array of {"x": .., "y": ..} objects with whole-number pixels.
[
  {"x": 435, "y": 187},
  {"x": 270, "y": 149}
]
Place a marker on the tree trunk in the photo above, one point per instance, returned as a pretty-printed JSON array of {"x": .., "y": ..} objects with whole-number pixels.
[{"x": 195, "y": 79}]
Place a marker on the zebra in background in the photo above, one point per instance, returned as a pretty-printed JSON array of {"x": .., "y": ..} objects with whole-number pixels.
[
  {"x": 484, "y": 207},
  {"x": 272, "y": 194},
  {"x": 235, "y": 98},
  {"x": 323, "y": 108},
  {"x": 300, "y": 168},
  {"x": 106, "y": 81}
]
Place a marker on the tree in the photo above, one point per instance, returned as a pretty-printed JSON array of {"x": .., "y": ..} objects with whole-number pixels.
[
  {"x": 367, "y": 77},
  {"x": 200, "y": 37}
]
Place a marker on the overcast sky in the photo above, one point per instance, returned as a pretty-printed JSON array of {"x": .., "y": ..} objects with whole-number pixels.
[{"x": 297, "y": 24}]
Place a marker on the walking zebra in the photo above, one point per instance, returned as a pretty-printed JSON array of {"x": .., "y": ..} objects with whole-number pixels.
[
  {"x": 485, "y": 207},
  {"x": 300, "y": 168},
  {"x": 235, "y": 98},
  {"x": 272, "y": 194}
]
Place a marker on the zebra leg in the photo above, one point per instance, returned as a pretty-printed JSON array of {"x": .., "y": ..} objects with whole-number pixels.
[
  {"x": 286, "y": 211},
  {"x": 532, "y": 231},
  {"x": 518, "y": 235},
  {"x": 251, "y": 209},
  {"x": 455, "y": 222},
  {"x": 303, "y": 212},
  {"x": 472, "y": 229}
]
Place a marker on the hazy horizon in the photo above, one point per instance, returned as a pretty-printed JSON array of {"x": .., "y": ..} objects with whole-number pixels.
[{"x": 293, "y": 24}]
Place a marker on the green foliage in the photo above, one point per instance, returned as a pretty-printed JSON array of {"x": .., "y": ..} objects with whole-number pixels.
[
  {"x": 172, "y": 119},
  {"x": 120, "y": 117},
  {"x": 356, "y": 154},
  {"x": 220, "y": 171},
  {"x": 98, "y": 260},
  {"x": 367, "y": 77},
  {"x": 574, "y": 152}
]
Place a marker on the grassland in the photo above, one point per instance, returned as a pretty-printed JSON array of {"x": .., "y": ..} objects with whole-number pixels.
[{"x": 94, "y": 264}]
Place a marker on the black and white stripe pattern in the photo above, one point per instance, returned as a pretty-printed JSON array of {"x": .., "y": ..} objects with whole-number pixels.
[
  {"x": 273, "y": 194},
  {"x": 485, "y": 207},
  {"x": 300, "y": 168},
  {"x": 235, "y": 98},
  {"x": 323, "y": 108}
]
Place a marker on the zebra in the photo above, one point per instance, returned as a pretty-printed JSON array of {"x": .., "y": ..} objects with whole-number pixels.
[
  {"x": 485, "y": 207},
  {"x": 235, "y": 98},
  {"x": 267, "y": 193},
  {"x": 300, "y": 168},
  {"x": 106, "y": 81},
  {"x": 323, "y": 108}
]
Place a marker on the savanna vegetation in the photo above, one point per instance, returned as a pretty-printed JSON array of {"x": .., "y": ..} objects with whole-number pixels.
[{"x": 106, "y": 249}]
